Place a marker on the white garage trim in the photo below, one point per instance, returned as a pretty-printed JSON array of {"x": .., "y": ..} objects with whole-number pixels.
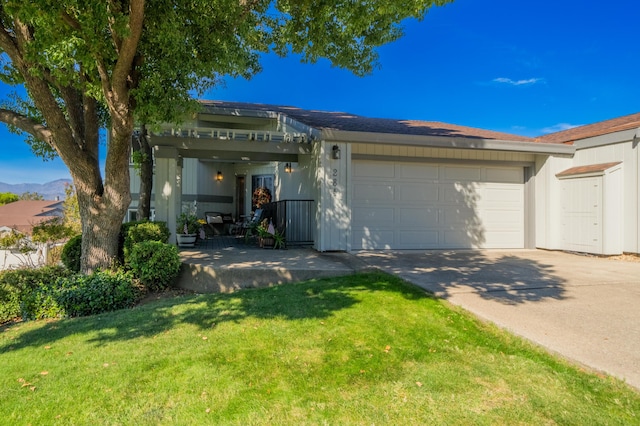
[{"x": 410, "y": 205}]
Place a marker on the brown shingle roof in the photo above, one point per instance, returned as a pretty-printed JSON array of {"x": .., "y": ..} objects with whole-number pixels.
[
  {"x": 592, "y": 168},
  {"x": 618, "y": 124},
  {"x": 352, "y": 122},
  {"x": 24, "y": 214}
]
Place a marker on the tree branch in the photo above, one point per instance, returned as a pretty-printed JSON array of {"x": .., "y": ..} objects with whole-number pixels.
[
  {"x": 27, "y": 124},
  {"x": 122, "y": 69}
]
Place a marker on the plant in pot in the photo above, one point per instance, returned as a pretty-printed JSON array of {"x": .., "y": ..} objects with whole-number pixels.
[
  {"x": 268, "y": 236},
  {"x": 187, "y": 227}
]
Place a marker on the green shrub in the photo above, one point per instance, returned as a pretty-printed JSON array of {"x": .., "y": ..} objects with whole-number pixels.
[
  {"x": 99, "y": 292},
  {"x": 155, "y": 264},
  {"x": 41, "y": 302},
  {"x": 137, "y": 232},
  {"x": 72, "y": 252},
  {"x": 16, "y": 285}
]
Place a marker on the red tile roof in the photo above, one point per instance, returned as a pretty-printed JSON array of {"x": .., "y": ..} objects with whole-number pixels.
[
  {"x": 24, "y": 214},
  {"x": 592, "y": 168},
  {"x": 352, "y": 122},
  {"x": 618, "y": 124}
]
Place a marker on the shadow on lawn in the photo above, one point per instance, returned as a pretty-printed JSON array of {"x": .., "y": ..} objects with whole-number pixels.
[
  {"x": 308, "y": 300},
  {"x": 507, "y": 279}
]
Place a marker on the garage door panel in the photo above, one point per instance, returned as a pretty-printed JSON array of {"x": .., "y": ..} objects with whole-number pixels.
[
  {"x": 373, "y": 193},
  {"x": 418, "y": 194},
  {"x": 504, "y": 195},
  {"x": 374, "y": 169},
  {"x": 460, "y": 217},
  {"x": 377, "y": 240},
  {"x": 439, "y": 206},
  {"x": 457, "y": 174},
  {"x": 504, "y": 175},
  {"x": 460, "y": 193},
  {"x": 418, "y": 171},
  {"x": 496, "y": 219},
  {"x": 419, "y": 239},
  {"x": 458, "y": 238},
  {"x": 374, "y": 216},
  {"x": 419, "y": 218},
  {"x": 499, "y": 239}
]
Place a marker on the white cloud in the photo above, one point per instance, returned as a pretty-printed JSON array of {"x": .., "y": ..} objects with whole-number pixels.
[
  {"x": 527, "y": 82},
  {"x": 559, "y": 127}
]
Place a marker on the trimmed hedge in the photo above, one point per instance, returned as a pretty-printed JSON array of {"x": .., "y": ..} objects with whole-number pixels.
[
  {"x": 80, "y": 295},
  {"x": 99, "y": 292},
  {"x": 15, "y": 285},
  {"x": 155, "y": 264}
]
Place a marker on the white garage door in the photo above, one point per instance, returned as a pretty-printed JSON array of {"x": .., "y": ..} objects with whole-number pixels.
[{"x": 398, "y": 205}]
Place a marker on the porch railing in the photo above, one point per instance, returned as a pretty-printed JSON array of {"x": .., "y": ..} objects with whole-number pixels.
[
  {"x": 295, "y": 218},
  {"x": 231, "y": 134}
]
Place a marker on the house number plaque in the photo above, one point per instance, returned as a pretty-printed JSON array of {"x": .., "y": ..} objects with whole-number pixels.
[{"x": 334, "y": 180}]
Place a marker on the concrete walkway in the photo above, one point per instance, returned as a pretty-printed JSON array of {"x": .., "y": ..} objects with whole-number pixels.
[{"x": 584, "y": 308}]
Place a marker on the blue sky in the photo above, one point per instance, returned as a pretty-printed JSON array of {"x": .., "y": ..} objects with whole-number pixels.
[{"x": 520, "y": 67}]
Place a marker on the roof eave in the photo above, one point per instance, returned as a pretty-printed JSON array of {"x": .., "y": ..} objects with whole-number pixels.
[{"x": 332, "y": 135}]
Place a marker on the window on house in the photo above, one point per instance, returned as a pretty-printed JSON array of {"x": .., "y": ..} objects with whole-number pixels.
[{"x": 262, "y": 180}]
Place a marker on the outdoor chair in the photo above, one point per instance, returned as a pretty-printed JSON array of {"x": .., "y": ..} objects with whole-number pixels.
[{"x": 250, "y": 223}]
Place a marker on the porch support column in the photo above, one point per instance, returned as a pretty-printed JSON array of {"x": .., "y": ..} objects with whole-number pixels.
[
  {"x": 168, "y": 187},
  {"x": 334, "y": 212}
]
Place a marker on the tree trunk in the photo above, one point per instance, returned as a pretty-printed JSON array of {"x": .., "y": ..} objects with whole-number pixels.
[{"x": 103, "y": 205}]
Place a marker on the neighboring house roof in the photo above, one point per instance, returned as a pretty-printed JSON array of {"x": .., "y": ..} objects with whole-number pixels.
[
  {"x": 351, "y": 122},
  {"x": 24, "y": 214},
  {"x": 569, "y": 136},
  {"x": 590, "y": 169}
]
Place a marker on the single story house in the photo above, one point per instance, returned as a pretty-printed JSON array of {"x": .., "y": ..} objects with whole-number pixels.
[
  {"x": 21, "y": 216},
  {"x": 348, "y": 182}
]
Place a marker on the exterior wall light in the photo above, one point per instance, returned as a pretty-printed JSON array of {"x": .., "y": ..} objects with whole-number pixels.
[
  {"x": 219, "y": 176},
  {"x": 335, "y": 152},
  {"x": 287, "y": 168}
]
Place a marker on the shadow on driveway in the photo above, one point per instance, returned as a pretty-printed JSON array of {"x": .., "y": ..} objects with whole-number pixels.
[{"x": 497, "y": 276}]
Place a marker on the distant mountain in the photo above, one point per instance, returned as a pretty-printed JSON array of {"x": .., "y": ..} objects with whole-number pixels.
[{"x": 49, "y": 190}]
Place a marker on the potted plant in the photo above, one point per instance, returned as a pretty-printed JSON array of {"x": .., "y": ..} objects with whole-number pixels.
[
  {"x": 187, "y": 227},
  {"x": 265, "y": 234},
  {"x": 268, "y": 236}
]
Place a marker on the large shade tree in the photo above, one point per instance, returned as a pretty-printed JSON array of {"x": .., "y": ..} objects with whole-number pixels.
[{"x": 86, "y": 64}]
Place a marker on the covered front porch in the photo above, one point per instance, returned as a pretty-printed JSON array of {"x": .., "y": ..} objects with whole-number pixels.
[{"x": 214, "y": 162}]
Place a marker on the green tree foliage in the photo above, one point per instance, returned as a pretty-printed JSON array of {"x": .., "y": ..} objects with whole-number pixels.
[
  {"x": 87, "y": 63},
  {"x": 31, "y": 196},
  {"x": 71, "y": 210},
  {"x": 8, "y": 197}
]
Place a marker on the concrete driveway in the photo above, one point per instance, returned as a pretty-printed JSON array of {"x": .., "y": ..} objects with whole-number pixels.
[{"x": 584, "y": 308}]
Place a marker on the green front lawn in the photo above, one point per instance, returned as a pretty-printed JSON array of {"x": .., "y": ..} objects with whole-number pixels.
[{"x": 364, "y": 349}]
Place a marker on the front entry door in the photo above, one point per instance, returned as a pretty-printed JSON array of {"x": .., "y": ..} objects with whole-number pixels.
[{"x": 240, "y": 197}]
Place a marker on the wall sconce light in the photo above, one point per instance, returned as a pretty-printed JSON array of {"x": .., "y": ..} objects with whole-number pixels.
[
  {"x": 287, "y": 168},
  {"x": 335, "y": 152},
  {"x": 219, "y": 176}
]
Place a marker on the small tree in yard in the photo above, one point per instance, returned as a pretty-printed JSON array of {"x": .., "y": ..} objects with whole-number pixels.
[{"x": 87, "y": 63}]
